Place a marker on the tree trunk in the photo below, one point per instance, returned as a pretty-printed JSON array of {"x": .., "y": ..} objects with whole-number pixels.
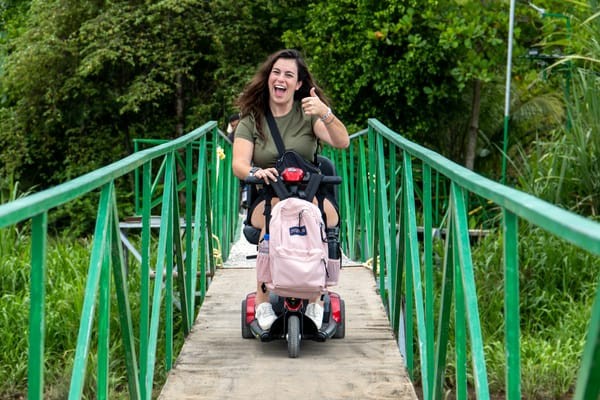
[
  {"x": 473, "y": 126},
  {"x": 179, "y": 120},
  {"x": 179, "y": 105}
]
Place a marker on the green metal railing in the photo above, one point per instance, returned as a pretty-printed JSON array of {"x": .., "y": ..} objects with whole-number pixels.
[
  {"x": 202, "y": 187},
  {"x": 394, "y": 184},
  {"x": 380, "y": 210}
]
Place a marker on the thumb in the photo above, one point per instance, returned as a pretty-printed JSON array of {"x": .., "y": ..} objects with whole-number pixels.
[{"x": 313, "y": 92}]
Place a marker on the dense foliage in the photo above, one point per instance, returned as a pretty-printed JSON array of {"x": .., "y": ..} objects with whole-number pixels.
[
  {"x": 84, "y": 78},
  {"x": 80, "y": 79},
  {"x": 410, "y": 64}
]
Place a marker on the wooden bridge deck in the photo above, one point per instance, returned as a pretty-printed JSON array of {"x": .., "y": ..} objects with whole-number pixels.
[{"x": 216, "y": 363}]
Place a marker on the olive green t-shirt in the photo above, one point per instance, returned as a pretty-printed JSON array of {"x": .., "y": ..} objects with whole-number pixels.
[{"x": 296, "y": 131}]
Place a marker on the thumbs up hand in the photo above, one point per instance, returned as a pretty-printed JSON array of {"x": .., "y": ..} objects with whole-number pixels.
[{"x": 313, "y": 105}]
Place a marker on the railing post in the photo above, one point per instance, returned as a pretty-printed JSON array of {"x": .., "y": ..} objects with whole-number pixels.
[
  {"x": 145, "y": 391},
  {"x": 101, "y": 237},
  {"x": 392, "y": 245},
  {"x": 414, "y": 281},
  {"x": 441, "y": 348},
  {"x": 177, "y": 257},
  {"x": 189, "y": 212},
  {"x": 428, "y": 267},
  {"x": 386, "y": 272},
  {"x": 364, "y": 196},
  {"x": 348, "y": 231},
  {"x": 205, "y": 244},
  {"x": 511, "y": 306},
  {"x": 168, "y": 256},
  {"x": 125, "y": 317},
  {"x": 460, "y": 336},
  {"x": 37, "y": 319},
  {"x": 588, "y": 378},
  {"x": 372, "y": 188},
  {"x": 409, "y": 279},
  {"x": 199, "y": 232},
  {"x": 161, "y": 262},
  {"x": 470, "y": 296},
  {"x": 104, "y": 318}
]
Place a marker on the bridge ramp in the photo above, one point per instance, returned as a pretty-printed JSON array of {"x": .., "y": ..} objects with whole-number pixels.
[{"x": 217, "y": 363}]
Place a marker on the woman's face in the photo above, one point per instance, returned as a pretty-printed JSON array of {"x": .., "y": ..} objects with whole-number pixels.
[{"x": 283, "y": 81}]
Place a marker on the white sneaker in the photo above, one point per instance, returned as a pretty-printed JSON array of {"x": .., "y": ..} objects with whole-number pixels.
[
  {"x": 265, "y": 315},
  {"x": 314, "y": 311}
]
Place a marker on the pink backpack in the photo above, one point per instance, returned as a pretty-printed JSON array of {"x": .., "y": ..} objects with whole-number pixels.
[{"x": 297, "y": 249}]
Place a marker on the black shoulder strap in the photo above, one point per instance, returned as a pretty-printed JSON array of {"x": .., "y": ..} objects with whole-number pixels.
[
  {"x": 275, "y": 132},
  {"x": 267, "y": 210},
  {"x": 314, "y": 181}
]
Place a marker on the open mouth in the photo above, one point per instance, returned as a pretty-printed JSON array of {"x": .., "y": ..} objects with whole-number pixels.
[{"x": 279, "y": 90}]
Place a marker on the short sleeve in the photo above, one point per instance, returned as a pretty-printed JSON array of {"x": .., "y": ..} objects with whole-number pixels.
[{"x": 246, "y": 129}]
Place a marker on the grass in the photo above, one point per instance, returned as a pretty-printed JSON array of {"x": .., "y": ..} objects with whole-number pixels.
[
  {"x": 557, "y": 286},
  {"x": 67, "y": 264},
  {"x": 558, "y": 282},
  {"x": 563, "y": 167}
]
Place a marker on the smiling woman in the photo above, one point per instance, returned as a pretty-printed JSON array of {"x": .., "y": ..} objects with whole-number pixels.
[{"x": 284, "y": 88}]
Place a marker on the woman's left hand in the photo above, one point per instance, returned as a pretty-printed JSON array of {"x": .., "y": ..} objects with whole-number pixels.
[{"x": 313, "y": 105}]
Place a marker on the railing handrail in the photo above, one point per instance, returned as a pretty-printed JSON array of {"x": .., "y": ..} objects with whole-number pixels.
[
  {"x": 29, "y": 206},
  {"x": 563, "y": 223}
]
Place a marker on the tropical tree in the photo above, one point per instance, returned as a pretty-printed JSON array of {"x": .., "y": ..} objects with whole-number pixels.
[
  {"x": 84, "y": 78},
  {"x": 433, "y": 70}
]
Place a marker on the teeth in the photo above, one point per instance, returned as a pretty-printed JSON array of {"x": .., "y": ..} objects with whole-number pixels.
[{"x": 280, "y": 87}]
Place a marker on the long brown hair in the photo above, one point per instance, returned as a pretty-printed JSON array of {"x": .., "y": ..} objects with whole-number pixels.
[{"x": 254, "y": 100}]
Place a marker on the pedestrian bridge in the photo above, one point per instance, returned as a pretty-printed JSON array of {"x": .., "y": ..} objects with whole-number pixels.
[
  {"x": 176, "y": 273},
  {"x": 216, "y": 363}
]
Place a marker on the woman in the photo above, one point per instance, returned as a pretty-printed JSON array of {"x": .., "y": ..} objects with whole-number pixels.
[{"x": 284, "y": 84}]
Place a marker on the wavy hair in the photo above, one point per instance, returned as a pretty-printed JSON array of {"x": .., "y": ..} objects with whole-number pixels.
[{"x": 254, "y": 100}]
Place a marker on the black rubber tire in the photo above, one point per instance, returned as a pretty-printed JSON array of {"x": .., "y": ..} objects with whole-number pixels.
[
  {"x": 340, "y": 330},
  {"x": 293, "y": 336},
  {"x": 246, "y": 332}
]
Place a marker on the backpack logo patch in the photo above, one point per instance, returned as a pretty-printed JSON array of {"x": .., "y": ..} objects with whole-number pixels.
[{"x": 298, "y": 230}]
